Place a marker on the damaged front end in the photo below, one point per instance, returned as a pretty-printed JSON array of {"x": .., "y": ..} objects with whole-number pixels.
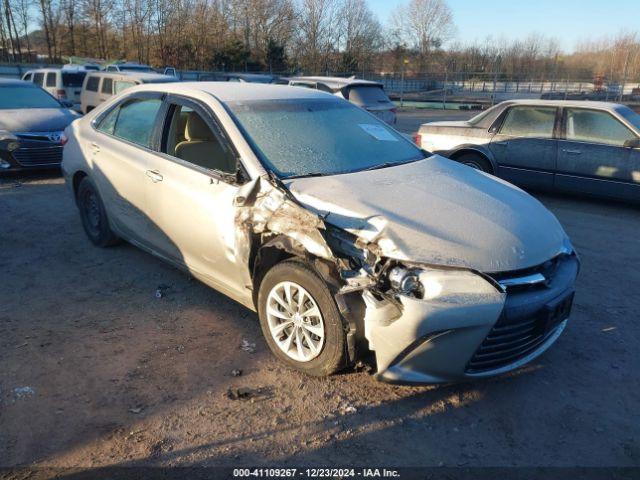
[{"x": 424, "y": 323}]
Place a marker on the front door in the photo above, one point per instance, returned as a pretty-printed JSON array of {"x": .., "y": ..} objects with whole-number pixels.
[
  {"x": 592, "y": 156},
  {"x": 192, "y": 197},
  {"x": 524, "y": 146}
]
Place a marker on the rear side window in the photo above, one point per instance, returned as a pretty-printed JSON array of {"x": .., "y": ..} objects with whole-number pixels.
[
  {"x": 596, "y": 127},
  {"x": 107, "y": 86},
  {"x": 51, "y": 79},
  {"x": 365, "y": 95},
  {"x": 536, "y": 122},
  {"x": 38, "y": 78},
  {"x": 119, "y": 86},
  {"x": 73, "y": 79},
  {"x": 92, "y": 84},
  {"x": 135, "y": 121}
]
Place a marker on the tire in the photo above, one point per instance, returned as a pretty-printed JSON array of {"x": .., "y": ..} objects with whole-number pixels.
[
  {"x": 475, "y": 160},
  {"x": 93, "y": 215},
  {"x": 329, "y": 353}
]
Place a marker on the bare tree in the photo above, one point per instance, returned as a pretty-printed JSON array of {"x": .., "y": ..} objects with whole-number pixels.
[{"x": 423, "y": 25}]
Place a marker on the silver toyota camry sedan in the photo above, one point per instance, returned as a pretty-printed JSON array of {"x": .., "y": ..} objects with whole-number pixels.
[{"x": 344, "y": 236}]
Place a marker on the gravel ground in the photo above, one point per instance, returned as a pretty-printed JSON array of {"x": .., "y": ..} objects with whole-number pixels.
[{"x": 95, "y": 370}]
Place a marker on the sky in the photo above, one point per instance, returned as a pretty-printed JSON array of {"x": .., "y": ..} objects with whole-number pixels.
[{"x": 569, "y": 21}]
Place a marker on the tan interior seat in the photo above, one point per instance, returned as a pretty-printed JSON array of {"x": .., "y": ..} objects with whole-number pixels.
[{"x": 201, "y": 147}]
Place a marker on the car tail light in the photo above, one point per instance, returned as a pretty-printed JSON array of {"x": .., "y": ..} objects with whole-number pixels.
[
  {"x": 417, "y": 139},
  {"x": 61, "y": 94}
]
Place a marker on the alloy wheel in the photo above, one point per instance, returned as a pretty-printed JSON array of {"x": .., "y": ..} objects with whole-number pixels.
[{"x": 295, "y": 321}]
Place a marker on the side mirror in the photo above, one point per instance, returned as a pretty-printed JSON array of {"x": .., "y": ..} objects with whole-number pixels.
[{"x": 633, "y": 143}]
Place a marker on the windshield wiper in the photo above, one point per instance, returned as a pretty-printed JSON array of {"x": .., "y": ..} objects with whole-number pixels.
[{"x": 308, "y": 175}]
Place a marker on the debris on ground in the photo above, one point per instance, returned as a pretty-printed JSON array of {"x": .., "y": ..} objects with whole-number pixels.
[
  {"x": 246, "y": 393},
  {"x": 361, "y": 366},
  {"x": 247, "y": 346},
  {"x": 347, "y": 409},
  {"x": 22, "y": 392},
  {"x": 162, "y": 290},
  {"x": 236, "y": 373},
  {"x": 136, "y": 410}
]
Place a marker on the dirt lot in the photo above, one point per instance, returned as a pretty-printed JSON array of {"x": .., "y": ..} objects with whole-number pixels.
[{"x": 95, "y": 370}]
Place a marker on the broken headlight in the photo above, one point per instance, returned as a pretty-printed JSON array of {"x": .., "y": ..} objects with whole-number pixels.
[
  {"x": 445, "y": 285},
  {"x": 406, "y": 281}
]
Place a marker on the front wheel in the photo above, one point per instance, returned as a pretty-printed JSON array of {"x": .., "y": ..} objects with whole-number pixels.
[{"x": 300, "y": 320}]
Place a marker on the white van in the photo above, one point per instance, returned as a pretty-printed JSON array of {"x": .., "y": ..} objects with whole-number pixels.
[
  {"x": 65, "y": 83},
  {"x": 100, "y": 86}
]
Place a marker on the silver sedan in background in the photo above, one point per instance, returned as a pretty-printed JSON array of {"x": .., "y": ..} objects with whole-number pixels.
[
  {"x": 569, "y": 146},
  {"x": 341, "y": 234}
]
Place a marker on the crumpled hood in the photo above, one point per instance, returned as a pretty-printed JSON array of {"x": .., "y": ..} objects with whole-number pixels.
[
  {"x": 437, "y": 211},
  {"x": 36, "y": 119}
]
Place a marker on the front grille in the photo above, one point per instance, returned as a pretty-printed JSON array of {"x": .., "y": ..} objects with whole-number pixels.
[
  {"x": 38, "y": 156},
  {"x": 531, "y": 315},
  {"x": 508, "y": 343}
]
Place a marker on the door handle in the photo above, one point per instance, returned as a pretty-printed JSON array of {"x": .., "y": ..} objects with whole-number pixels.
[
  {"x": 154, "y": 175},
  {"x": 569, "y": 151},
  {"x": 502, "y": 144}
]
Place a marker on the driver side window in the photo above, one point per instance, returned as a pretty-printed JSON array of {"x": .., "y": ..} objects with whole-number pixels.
[{"x": 192, "y": 139}]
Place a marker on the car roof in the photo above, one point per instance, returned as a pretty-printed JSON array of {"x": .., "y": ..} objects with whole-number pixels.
[
  {"x": 6, "y": 82},
  {"x": 232, "y": 92},
  {"x": 144, "y": 76},
  {"x": 336, "y": 82},
  {"x": 564, "y": 103}
]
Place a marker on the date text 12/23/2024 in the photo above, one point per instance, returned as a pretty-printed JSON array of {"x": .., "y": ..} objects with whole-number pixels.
[{"x": 315, "y": 473}]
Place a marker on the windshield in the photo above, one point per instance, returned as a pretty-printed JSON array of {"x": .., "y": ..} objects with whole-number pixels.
[
  {"x": 630, "y": 116},
  {"x": 301, "y": 137},
  {"x": 17, "y": 96},
  {"x": 73, "y": 79}
]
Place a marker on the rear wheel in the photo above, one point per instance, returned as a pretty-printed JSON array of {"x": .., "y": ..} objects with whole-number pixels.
[
  {"x": 300, "y": 320},
  {"x": 475, "y": 160},
  {"x": 93, "y": 215}
]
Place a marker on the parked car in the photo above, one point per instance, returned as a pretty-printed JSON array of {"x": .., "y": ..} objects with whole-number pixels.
[
  {"x": 336, "y": 229},
  {"x": 65, "y": 83},
  {"x": 238, "y": 77},
  {"x": 583, "y": 147},
  {"x": 129, "y": 67},
  {"x": 365, "y": 94},
  {"x": 31, "y": 126},
  {"x": 100, "y": 86}
]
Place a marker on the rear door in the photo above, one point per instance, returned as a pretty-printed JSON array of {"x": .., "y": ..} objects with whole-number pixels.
[
  {"x": 592, "y": 156},
  {"x": 51, "y": 85},
  {"x": 192, "y": 192},
  {"x": 525, "y": 146},
  {"x": 72, "y": 84},
  {"x": 121, "y": 147}
]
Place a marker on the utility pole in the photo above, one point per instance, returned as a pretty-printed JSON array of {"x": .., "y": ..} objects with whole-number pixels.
[
  {"x": 496, "y": 66},
  {"x": 624, "y": 75},
  {"x": 444, "y": 90},
  {"x": 404, "y": 62}
]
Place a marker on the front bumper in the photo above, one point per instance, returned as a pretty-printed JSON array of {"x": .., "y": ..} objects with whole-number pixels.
[{"x": 472, "y": 332}]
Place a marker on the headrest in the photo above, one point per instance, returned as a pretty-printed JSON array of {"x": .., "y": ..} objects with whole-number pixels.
[{"x": 197, "y": 129}]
